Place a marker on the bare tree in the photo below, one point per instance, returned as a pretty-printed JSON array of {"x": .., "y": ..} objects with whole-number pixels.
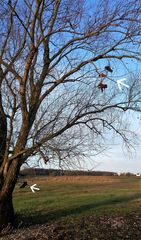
[{"x": 53, "y": 56}]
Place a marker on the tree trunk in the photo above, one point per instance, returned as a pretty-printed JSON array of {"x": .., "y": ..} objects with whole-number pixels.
[
  {"x": 7, "y": 187},
  {"x": 3, "y": 123},
  {"x": 6, "y": 212}
]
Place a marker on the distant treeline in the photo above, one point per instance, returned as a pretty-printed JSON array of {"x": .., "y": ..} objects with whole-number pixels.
[{"x": 58, "y": 172}]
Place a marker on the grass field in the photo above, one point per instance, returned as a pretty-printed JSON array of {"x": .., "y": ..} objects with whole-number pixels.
[
  {"x": 76, "y": 196},
  {"x": 78, "y": 208}
]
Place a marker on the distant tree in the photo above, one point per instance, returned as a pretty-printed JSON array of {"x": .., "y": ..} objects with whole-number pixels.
[{"x": 53, "y": 55}]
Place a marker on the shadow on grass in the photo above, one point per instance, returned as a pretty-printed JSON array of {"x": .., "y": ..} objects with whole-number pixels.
[{"x": 54, "y": 215}]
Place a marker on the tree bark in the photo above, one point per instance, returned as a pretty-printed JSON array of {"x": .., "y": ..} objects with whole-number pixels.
[
  {"x": 6, "y": 190},
  {"x": 3, "y": 123},
  {"x": 6, "y": 211}
]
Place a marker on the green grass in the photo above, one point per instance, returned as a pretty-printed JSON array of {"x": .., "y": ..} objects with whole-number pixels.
[{"x": 66, "y": 197}]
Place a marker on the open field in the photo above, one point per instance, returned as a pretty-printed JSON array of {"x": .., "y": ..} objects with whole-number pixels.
[{"x": 89, "y": 206}]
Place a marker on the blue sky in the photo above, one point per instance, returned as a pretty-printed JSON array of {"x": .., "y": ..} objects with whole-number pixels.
[
  {"x": 118, "y": 160},
  {"x": 116, "y": 157}
]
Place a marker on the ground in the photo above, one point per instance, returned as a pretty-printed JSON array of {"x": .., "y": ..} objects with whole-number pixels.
[{"x": 85, "y": 207}]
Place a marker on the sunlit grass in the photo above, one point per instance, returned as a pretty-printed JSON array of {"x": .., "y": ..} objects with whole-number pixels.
[{"x": 64, "y": 197}]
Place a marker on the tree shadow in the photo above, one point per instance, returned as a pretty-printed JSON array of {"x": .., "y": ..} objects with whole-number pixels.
[{"x": 40, "y": 218}]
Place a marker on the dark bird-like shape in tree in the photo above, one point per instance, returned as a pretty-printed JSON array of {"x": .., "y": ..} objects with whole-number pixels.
[
  {"x": 108, "y": 68},
  {"x": 102, "y": 75},
  {"x": 71, "y": 25},
  {"x": 24, "y": 185},
  {"x": 9, "y": 2},
  {"x": 102, "y": 86}
]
